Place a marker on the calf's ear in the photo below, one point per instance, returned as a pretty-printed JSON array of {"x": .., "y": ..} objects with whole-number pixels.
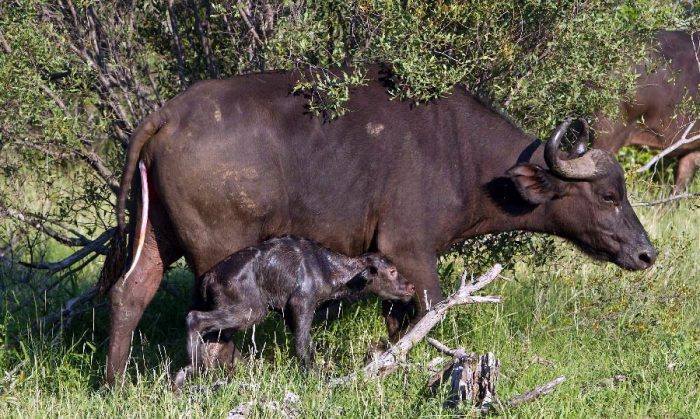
[
  {"x": 534, "y": 184},
  {"x": 358, "y": 282}
]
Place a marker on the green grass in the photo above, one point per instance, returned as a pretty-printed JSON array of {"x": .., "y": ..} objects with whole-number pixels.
[{"x": 591, "y": 320}]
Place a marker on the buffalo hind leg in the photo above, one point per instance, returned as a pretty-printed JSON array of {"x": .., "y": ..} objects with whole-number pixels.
[
  {"x": 130, "y": 296},
  {"x": 687, "y": 166}
]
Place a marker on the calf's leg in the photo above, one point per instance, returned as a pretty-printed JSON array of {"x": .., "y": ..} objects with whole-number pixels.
[
  {"x": 302, "y": 315},
  {"x": 199, "y": 323}
]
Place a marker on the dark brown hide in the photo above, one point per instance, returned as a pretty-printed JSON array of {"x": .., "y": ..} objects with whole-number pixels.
[
  {"x": 234, "y": 162},
  {"x": 652, "y": 118}
]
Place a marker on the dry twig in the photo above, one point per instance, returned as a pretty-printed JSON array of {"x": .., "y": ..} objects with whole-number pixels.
[
  {"x": 684, "y": 140},
  {"x": 95, "y": 246},
  {"x": 666, "y": 200},
  {"x": 535, "y": 392}
]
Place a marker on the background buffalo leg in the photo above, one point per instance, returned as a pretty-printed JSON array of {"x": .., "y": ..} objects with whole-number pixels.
[{"x": 687, "y": 166}]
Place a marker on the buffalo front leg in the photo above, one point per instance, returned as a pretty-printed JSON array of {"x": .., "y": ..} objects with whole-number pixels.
[
  {"x": 421, "y": 271},
  {"x": 131, "y": 295},
  {"x": 687, "y": 166}
]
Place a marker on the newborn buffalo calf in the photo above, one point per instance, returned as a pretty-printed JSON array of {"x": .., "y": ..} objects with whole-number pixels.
[{"x": 292, "y": 275}]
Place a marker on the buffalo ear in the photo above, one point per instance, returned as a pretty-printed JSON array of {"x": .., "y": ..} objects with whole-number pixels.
[
  {"x": 535, "y": 184},
  {"x": 358, "y": 282}
]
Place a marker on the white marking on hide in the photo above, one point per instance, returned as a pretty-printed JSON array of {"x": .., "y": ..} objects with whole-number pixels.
[{"x": 374, "y": 129}]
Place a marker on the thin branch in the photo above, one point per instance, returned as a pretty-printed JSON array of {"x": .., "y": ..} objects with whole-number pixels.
[
  {"x": 147, "y": 70},
  {"x": 535, "y": 392},
  {"x": 39, "y": 223},
  {"x": 204, "y": 40},
  {"x": 89, "y": 157},
  {"x": 96, "y": 162},
  {"x": 684, "y": 140},
  {"x": 52, "y": 95},
  {"x": 666, "y": 200},
  {"x": 454, "y": 353},
  {"x": 245, "y": 15},
  {"x": 4, "y": 44},
  {"x": 69, "y": 309},
  {"x": 177, "y": 46},
  {"x": 96, "y": 246}
]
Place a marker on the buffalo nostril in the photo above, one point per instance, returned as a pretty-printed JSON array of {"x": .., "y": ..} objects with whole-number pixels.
[{"x": 646, "y": 258}]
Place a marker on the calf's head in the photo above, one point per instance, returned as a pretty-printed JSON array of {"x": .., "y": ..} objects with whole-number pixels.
[
  {"x": 584, "y": 200},
  {"x": 379, "y": 276}
]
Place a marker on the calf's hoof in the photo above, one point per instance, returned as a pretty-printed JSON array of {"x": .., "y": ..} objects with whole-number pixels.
[{"x": 182, "y": 376}]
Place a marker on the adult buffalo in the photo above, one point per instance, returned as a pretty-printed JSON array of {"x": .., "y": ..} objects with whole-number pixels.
[
  {"x": 230, "y": 163},
  {"x": 654, "y": 117}
]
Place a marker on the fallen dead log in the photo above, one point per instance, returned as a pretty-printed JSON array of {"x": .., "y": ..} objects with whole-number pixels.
[
  {"x": 472, "y": 378},
  {"x": 473, "y": 381},
  {"x": 388, "y": 361}
]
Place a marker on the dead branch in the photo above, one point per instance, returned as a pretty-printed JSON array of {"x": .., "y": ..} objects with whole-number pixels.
[
  {"x": 95, "y": 246},
  {"x": 39, "y": 223},
  {"x": 177, "y": 46},
  {"x": 472, "y": 378},
  {"x": 69, "y": 310},
  {"x": 4, "y": 44},
  {"x": 387, "y": 362},
  {"x": 246, "y": 16},
  {"x": 91, "y": 158},
  {"x": 473, "y": 381},
  {"x": 666, "y": 200},
  {"x": 52, "y": 95},
  {"x": 96, "y": 162},
  {"x": 696, "y": 48},
  {"x": 535, "y": 392},
  {"x": 201, "y": 25},
  {"x": 455, "y": 353},
  {"x": 684, "y": 140}
]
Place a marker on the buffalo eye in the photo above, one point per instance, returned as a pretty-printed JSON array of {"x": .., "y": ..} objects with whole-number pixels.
[
  {"x": 373, "y": 270},
  {"x": 392, "y": 271},
  {"x": 609, "y": 199}
]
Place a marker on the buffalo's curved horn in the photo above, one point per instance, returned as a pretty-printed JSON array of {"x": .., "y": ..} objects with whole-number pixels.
[
  {"x": 582, "y": 137},
  {"x": 588, "y": 165}
]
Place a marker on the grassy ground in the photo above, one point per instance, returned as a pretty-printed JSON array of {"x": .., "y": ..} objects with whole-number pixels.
[{"x": 592, "y": 321}]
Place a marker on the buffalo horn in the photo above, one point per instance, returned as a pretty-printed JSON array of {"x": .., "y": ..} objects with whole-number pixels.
[{"x": 589, "y": 165}]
